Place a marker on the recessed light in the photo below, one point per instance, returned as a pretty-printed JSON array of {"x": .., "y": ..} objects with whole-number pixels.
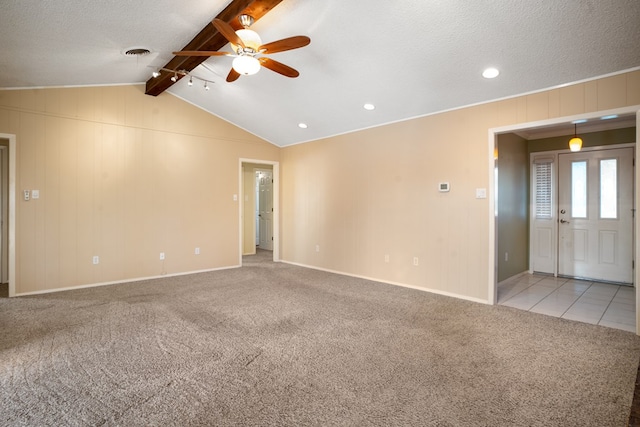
[
  {"x": 302, "y": 125},
  {"x": 612, "y": 116},
  {"x": 369, "y": 107},
  {"x": 490, "y": 73}
]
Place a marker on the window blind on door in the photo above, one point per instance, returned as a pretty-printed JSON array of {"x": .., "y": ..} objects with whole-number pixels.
[{"x": 543, "y": 190}]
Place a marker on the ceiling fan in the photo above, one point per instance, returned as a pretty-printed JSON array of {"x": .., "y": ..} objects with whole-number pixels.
[{"x": 247, "y": 45}]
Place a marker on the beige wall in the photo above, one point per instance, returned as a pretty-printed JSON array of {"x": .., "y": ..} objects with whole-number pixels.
[
  {"x": 367, "y": 194},
  {"x": 123, "y": 176},
  {"x": 126, "y": 176}
]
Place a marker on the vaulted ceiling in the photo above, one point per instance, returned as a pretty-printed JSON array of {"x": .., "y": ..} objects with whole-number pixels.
[{"x": 409, "y": 58}]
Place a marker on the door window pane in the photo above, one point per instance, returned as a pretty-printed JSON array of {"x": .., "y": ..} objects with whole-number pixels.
[
  {"x": 579, "y": 189},
  {"x": 609, "y": 188}
]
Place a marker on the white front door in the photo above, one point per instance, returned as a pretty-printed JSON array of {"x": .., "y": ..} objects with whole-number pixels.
[
  {"x": 595, "y": 214},
  {"x": 265, "y": 209}
]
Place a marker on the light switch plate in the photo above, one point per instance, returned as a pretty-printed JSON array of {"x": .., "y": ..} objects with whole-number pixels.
[
  {"x": 481, "y": 193},
  {"x": 35, "y": 194}
]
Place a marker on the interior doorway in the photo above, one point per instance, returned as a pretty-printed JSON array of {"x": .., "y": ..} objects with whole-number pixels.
[
  {"x": 7, "y": 213},
  {"x": 4, "y": 211},
  {"x": 559, "y": 126},
  {"x": 259, "y": 214}
]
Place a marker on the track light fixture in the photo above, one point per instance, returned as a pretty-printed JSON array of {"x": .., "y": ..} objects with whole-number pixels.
[{"x": 177, "y": 74}]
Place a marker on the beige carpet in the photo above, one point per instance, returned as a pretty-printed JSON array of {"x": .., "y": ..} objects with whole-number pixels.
[{"x": 273, "y": 344}]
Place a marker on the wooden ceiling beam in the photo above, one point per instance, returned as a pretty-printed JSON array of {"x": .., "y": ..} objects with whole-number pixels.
[{"x": 208, "y": 39}]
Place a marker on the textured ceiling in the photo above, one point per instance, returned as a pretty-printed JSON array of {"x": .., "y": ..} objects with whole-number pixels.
[{"x": 409, "y": 58}]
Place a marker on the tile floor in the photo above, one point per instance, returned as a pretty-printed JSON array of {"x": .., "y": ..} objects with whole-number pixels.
[{"x": 591, "y": 302}]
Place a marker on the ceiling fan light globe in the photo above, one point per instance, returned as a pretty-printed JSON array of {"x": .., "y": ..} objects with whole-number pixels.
[
  {"x": 246, "y": 65},
  {"x": 250, "y": 38}
]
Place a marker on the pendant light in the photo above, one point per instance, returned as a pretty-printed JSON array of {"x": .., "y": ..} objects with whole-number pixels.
[{"x": 575, "y": 143}]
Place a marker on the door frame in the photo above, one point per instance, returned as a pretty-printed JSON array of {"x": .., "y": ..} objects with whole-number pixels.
[
  {"x": 493, "y": 145},
  {"x": 11, "y": 246},
  {"x": 276, "y": 205}
]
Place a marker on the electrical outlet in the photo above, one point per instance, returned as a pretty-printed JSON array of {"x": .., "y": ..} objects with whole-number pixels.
[
  {"x": 96, "y": 260},
  {"x": 506, "y": 256},
  {"x": 197, "y": 251},
  {"x": 386, "y": 258},
  {"x": 161, "y": 255},
  {"x": 415, "y": 260}
]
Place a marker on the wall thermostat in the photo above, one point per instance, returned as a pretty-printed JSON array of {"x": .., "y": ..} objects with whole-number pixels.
[{"x": 443, "y": 187}]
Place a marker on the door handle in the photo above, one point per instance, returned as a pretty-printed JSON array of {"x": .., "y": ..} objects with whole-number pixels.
[{"x": 562, "y": 221}]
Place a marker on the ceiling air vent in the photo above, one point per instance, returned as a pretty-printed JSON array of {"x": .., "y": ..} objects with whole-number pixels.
[{"x": 137, "y": 51}]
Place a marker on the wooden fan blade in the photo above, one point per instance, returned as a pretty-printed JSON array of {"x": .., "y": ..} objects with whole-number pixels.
[
  {"x": 228, "y": 32},
  {"x": 201, "y": 53},
  {"x": 278, "y": 67},
  {"x": 285, "y": 44},
  {"x": 232, "y": 76}
]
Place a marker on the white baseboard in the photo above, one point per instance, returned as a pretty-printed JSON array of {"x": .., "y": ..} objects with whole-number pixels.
[
  {"x": 140, "y": 279},
  {"x": 116, "y": 282},
  {"x": 404, "y": 285}
]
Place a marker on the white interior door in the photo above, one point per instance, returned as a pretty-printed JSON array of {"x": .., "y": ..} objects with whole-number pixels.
[
  {"x": 265, "y": 208},
  {"x": 595, "y": 213}
]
